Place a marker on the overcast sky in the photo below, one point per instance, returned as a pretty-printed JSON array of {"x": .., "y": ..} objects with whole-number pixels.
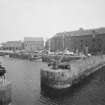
[{"x": 32, "y": 18}]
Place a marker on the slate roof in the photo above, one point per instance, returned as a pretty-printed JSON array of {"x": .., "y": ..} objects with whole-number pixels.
[
  {"x": 81, "y": 32},
  {"x": 33, "y": 39}
]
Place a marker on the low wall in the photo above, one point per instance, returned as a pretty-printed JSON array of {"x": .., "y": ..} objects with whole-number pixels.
[{"x": 5, "y": 92}]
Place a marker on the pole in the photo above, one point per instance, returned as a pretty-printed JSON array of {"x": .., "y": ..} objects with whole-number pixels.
[
  {"x": 63, "y": 43},
  {"x": 49, "y": 45}
]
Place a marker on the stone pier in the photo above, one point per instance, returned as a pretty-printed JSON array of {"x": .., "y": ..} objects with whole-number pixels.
[{"x": 64, "y": 78}]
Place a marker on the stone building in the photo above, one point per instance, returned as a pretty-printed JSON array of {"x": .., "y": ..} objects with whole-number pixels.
[
  {"x": 12, "y": 45},
  {"x": 33, "y": 44},
  {"x": 94, "y": 39}
]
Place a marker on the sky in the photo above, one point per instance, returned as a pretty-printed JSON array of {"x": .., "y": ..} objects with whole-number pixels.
[{"x": 45, "y": 18}]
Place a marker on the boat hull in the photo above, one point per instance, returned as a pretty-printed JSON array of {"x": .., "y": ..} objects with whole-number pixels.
[{"x": 66, "y": 58}]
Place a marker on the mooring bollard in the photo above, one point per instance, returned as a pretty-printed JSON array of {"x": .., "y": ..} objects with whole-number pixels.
[{"x": 5, "y": 92}]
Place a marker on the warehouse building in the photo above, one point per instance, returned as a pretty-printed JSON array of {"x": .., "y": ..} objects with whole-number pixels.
[
  {"x": 12, "y": 45},
  {"x": 33, "y": 44},
  {"x": 93, "y": 39}
]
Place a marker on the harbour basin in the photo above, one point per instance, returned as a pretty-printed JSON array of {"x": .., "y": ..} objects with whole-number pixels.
[{"x": 25, "y": 78}]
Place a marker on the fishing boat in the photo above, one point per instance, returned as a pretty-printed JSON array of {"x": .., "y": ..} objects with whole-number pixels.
[
  {"x": 35, "y": 57},
  {"x": 66, "y": 58},
  {"x": 2, "y": 72},
  {"x": 26, "y": 55}
]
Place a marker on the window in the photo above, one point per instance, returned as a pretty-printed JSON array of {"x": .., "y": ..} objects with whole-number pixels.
[
  {"x": 93, "y": 43},
  {"x": 81, "y": 44},
  {"x": 86, "y": 43},
  {"x": 99, "y": 43}
]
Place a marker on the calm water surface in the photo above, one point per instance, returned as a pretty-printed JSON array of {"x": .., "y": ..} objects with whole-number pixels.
[{"x": 25, "y": 78}]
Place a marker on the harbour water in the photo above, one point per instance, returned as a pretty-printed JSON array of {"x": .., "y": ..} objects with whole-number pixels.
[{"x": 25, "y": 78}]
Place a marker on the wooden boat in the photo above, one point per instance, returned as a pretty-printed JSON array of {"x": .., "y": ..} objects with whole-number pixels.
[
  {"x": 28, "y": 56},
  {"x": 66, "y": 58},
  {"x": 2, "y": 72},
  {"x": 35, "y": 58}
]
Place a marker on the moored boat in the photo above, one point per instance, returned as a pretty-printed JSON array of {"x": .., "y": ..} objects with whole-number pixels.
[
  {"x": 25, "y": 55},
  {"x": 66, "y": 58}
]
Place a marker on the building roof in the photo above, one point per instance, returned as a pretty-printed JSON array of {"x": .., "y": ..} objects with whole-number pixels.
[
  {"x": 81, "y": 32},
  {"x": 33, "y": 39}
]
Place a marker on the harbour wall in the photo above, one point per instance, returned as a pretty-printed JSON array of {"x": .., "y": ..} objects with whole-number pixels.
[
  {"x": 5, "y": 92},
  {"x": 60, "y": 79}
]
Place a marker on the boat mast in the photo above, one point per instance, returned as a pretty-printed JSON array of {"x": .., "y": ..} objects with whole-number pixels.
[
  {"x": 63, "y": 51},
  {"x": 49, "y": 46},
  {"x": 63, "y": 43}
]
